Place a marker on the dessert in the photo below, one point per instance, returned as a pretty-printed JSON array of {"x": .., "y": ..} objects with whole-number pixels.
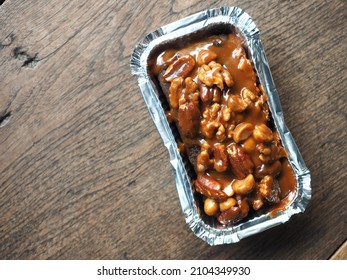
[{"x": 225, "y": 127}]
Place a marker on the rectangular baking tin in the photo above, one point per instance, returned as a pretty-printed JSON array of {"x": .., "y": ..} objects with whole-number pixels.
[{"x": 234, "y": 17}]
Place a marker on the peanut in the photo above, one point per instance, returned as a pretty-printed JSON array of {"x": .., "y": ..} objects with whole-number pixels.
[
  {"x": 226, "y": 204},
  {"x": 211, "y": 207}
]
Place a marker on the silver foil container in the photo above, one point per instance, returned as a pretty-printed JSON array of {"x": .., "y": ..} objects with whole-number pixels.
[{"x": 218, "y": 19}]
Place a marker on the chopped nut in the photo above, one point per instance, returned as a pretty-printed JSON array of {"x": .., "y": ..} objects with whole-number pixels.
[
  {"x": 220, "y": 135},
  {"x": 236, "y": 103},
  {"x": 215, "y": 74},
  {"x": 262, "y": 133},
  {"x": 270, "y": 152},
  {"x": 228, "y": 189},
  {"x": 175, "y": 89},
  {"x": 203, "y": 161},
  {"x": 269, "y": 189},
  {"x": 248, "y": 96},
  {"x": 226, "y": 113},
  {"x": 234, "y": 213},
  {"x": 230, "y": 130}
]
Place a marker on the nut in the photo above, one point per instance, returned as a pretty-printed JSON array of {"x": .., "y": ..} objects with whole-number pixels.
[
  {"x": 206, "y": 56},
  {"x": 269, "y": 189},
  {"x": 189, "y": 119},
  {"x": 242, "y": 131},
  {"x": 203, "y": 161},
  {"x": 211, "y": 207},
  {"x": 226, "y": 114},
  {"x": 220, "y": 158},
  {"x": 244, "y": 186},
  {"x": 249, "y": 145},
  {"x": 175, "y": 90},
  {"x": 244, "y": 64},
  {"x": 181, "y": 67},
  {"x": 268, "y": 169},
  {"x": 257, "y": 201},
  {"x": 225, "y": 205},
  {"x": 236, "y": 103},
  {"x": 209, "y": 187},
  {"x": 241, "y": 162},
  {"x": 248, "y": 96},
  {"x": 205, "y": 93},
  {"x": 262, "y": 133},
  {"x": 228, "y": 189},
  {"x": 230, "y": 216},
  {"x": 220, "y": 135},
  {"x": 215, "y": 74},
  {"x": 244, "y": 207},
  {"x": 269, "y": 153},
  {"x": 235, "y": 213}
]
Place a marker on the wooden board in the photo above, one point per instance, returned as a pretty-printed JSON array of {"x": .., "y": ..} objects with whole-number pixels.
[{"x": 83, "y": 172}]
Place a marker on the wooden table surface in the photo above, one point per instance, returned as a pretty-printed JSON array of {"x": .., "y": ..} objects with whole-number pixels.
[{"x": 83, "y": 171}]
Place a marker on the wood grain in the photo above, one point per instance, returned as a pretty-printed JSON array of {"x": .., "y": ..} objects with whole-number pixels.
[
  {"x": 83, "y": 172},
  {"x": 341, "y": 253}
]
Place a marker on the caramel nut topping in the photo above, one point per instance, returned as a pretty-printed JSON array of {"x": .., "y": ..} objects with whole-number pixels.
[{"x": 224, "y": 123}]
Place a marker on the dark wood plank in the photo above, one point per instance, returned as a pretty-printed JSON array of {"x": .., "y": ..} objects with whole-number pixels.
[{"x": 83, "y": 172}]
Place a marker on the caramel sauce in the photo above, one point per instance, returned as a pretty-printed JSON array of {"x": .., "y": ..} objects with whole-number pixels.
[{"x": 230, "y": 53}]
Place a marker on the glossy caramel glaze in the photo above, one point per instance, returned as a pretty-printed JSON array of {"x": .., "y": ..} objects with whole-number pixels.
[{"x": 219, "y": 107}]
